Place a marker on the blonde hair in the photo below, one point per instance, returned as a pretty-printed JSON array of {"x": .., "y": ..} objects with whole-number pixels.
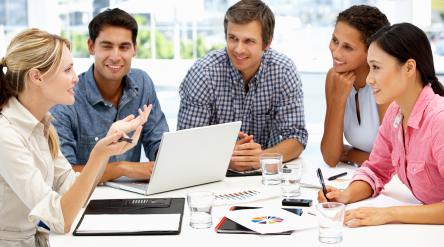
[{"x": 31, "y": 49}]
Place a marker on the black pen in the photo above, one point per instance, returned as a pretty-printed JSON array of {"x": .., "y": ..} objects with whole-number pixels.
[
  {"x": 321, "y": 180},
  {"x": 129, "y": 140},
  {"x": 337, "y": 176}
]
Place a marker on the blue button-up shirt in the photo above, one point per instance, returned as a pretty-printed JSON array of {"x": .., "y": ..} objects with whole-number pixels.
[
  {"x": 85, "y": 122},
  {"x": 272, "y": 110}
]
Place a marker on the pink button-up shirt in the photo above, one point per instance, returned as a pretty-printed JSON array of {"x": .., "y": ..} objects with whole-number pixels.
[{"x": 417, "y": 157}]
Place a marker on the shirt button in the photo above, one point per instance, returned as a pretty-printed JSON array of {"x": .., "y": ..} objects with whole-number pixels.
[{"x": 96, "y": 138}]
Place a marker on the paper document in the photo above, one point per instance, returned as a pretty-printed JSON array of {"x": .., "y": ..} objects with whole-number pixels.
[
  {"x": 245, "y": 196},
  {"x": 112, "y": 223},
  {"x": 271, "y": 220}
]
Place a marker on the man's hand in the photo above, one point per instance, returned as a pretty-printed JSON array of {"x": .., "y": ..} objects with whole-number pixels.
[
  {"x": 246, "y": 154},
  {"x": 140, "y": 171}
]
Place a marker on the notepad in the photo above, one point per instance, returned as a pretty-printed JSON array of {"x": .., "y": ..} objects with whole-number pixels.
[
  {"x": 115, "y": 223},
  {"x": 139, "y": 216}
]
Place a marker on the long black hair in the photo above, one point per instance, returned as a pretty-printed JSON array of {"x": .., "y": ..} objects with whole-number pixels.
[{"x": 406, "y": 41}]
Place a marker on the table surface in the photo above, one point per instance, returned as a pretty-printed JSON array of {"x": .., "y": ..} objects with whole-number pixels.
[{"x": 385, "y": 235}]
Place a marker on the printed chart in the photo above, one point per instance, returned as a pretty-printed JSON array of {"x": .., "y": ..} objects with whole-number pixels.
[{"x": 267, "y": 220}]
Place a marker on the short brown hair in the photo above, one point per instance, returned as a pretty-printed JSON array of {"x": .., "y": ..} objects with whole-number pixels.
[{"x": 246, "y": 11}]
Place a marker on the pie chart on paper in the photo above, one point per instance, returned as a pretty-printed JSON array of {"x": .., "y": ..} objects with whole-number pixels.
[{"x": 267, "y": 220}]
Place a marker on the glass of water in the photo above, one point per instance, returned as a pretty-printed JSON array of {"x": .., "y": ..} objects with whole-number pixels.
[
  {"x": 291, "y": 175},
  {"x": 200, "y": 204},
  {"x": 331, "y": 219},
  {"x": 270, "y": 163}
]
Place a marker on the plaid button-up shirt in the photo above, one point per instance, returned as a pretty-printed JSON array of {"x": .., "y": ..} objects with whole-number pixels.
[{"x": 272, "y": 110}]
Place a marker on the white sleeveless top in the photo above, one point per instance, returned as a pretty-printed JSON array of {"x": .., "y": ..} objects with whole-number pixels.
[{"x": 361, "y": 136}]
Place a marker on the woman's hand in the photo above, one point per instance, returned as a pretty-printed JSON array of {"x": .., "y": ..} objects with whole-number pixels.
[
  {"x": 367, "y": 217},
  {"x": 334, "y": 195},
  {"x": 110, "y": 144},
  {"x": 342, "y": 85},
  {"x": 130, "y": 123}
]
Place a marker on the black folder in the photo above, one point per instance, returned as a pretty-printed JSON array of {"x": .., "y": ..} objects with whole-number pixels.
[{"x": 134, "y": 206}]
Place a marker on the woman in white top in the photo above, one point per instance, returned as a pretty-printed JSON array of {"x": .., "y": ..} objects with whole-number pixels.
[
  {"x": 37, "y": 184},
  {"x": 351, "y": 108}
]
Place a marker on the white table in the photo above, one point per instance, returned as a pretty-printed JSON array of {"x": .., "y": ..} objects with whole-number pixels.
[{"x": 386, "y": 235}]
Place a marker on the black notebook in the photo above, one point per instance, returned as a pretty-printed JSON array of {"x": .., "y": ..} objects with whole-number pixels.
[
  {"x": 143, "y": 216},
  {"x": 228, "y": 226}
]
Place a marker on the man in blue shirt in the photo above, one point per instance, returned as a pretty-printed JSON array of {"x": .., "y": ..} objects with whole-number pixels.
[
  {"x": 110, "y": 90},
  {"x": 251, "y": 82}
]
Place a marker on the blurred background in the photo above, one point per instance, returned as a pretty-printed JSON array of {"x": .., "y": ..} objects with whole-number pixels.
[{"x": 174, "y": 33}]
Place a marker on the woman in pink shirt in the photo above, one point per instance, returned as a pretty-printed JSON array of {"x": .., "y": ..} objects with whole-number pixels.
[{"x": 410, "y": 141}]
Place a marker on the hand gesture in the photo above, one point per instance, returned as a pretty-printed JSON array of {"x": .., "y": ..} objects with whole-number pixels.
[
  {"x": 130, "y": 123},
  {"x": 110, "y": 144},
  {"x": 342, "y": 84},
  {"x": 246, "y": 154}
]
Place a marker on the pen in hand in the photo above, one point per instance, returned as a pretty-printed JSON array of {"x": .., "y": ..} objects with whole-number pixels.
[
  {"x": 321, "y": 180},
  {"x": 129, "y": 140},
  {"x": 337, "y": 176}
]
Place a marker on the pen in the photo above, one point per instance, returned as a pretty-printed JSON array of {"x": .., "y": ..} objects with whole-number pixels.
[
  {"x": 337, "y": 176},
  {"x": 321, "y": 180},
  {"x": 129, "y": 140}
]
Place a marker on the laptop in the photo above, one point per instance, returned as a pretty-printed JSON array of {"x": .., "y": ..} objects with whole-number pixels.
[{"x": 187, "y": 158}]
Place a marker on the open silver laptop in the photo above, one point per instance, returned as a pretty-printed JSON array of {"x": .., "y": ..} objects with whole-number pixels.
[{"x": 187, "y": 158}]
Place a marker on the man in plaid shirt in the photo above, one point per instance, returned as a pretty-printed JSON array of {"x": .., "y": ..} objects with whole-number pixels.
[{"x": 250, "y": 82}]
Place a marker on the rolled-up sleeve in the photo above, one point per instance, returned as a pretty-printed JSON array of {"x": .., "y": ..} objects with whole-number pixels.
[
  {"x": 157, "y": 125},
  {"x": 64, "y": 175},
  {"x": 195, "y": 108},
  {"x": 21, "y": 174},
  {"x": 378, "y": 170},
  {"x": 438, "y": 142},
  {"x": 290, "y": 119}
]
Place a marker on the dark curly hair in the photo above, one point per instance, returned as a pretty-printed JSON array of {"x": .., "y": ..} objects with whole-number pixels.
[{"x": 366, "y": 19}]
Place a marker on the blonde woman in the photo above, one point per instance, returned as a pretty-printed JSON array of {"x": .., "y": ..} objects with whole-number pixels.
[{"x": 37, "y": 184}]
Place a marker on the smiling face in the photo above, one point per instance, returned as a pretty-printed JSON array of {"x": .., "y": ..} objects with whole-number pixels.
[
  {"x": 387, "y": 76},
  {"x": 113, "y": 51},
  {"x": 245, "y": 47},
  {"x": 58, "y": 86},
  {"x": 348, "y": 51}
]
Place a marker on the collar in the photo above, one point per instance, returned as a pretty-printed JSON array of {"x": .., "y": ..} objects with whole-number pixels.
[
  {"x": 23, "y": 120},
  {"x": 93, "y": 94},
  {"x": 421, "y": 104},
  {"x": 266, "y": 56}
]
